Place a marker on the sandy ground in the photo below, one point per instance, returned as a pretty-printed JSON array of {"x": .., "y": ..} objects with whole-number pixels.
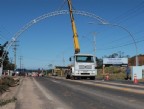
[
  {"x": 9, "y": 95},
  {"x": 27, "y": 96}
]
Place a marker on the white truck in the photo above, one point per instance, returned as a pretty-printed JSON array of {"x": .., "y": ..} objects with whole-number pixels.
[{"x": 82, "y": 66}]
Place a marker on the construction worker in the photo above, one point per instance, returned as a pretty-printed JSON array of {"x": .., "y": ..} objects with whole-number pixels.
[{"x": 128, "y": 71}]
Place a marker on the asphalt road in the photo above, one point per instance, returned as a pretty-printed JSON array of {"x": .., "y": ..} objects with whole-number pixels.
[{"x": 85, "y": 94}]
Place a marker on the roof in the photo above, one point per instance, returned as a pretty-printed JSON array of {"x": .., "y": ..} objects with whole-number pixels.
[
  {"x": 84, "y": 54},
  {"x": 61, "y": 67}
]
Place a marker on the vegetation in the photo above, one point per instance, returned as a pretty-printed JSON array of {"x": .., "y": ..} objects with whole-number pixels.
[
  {"x": 4, "y": 102},
  {"x": 117, "y": 72},
  {"x": 131, "y": 60},
  {"x": 6, "y": 82},
  {"x": 7, "y": 65},
  {"x": 114, "y": 72}
]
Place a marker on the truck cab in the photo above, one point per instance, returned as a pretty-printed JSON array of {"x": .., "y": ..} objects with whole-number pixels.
[{"x": 82, "y": 66}]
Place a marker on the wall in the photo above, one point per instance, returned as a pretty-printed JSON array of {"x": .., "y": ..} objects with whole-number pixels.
[{"x": 137, "y": 70}]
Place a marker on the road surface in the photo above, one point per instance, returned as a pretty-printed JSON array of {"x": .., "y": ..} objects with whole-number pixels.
[{"x": 55, "y": 93}]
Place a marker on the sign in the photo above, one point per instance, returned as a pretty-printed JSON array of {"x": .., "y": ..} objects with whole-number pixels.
[{"x": 116, "y": 61}]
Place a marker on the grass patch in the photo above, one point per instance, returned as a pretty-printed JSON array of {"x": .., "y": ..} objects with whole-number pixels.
[
  {"x": 6, "y": 82},
  {"x": 4, "y": 102},
  {"x": 115, "y": 73}
]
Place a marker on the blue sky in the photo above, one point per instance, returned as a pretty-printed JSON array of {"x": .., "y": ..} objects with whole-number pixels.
[{"x": 50, "y": 40}]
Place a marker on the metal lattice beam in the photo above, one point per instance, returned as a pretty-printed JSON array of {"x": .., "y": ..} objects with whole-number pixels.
[{"x": 52, "y": 14}]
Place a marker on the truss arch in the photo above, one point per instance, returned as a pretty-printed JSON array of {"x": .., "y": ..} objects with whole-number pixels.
[{"x": 42, "y": 17}]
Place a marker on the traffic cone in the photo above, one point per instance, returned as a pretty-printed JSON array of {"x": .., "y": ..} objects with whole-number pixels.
[
  {"x": 107, "y": 77},
  {"x": 135, "y": 79}
]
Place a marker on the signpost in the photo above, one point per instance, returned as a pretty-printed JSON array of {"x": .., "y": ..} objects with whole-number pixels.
[{"x": 115, "y": 61}]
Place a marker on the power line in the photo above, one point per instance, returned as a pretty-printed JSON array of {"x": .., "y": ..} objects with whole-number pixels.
[
  {"x": 128, "y": 12},
  {"x": 124, "y": 38},
  {"x": 2, "y": 37},
  {"x": 113, "y": 41},
  {"x": 121, "y": 45},
  {"x": 20, "y": 58},
  {"x": 62, "y": 5},
  {"x": 131, "y": 17},
  {"x": 4, "y": 34}
]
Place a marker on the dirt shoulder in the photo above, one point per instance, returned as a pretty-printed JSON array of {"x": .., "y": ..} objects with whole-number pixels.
[
  {"x": 27, "y": 97},
  {"x": 10, "y": 94},
  {"x": 31, "y": 94}
]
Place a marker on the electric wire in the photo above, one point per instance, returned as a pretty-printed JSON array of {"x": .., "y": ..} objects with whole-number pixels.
[
  {"x": 62, "y": 5},
  {"x": 125, "y": 15},
  {"x": 120, "y": 45},
  {"x": 129, "y": 12}
]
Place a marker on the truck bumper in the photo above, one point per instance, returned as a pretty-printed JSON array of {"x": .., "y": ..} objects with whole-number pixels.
[{"x": 85, "y": 73}]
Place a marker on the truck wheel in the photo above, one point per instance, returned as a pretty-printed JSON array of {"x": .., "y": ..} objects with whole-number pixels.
[
  {"x": 73, "y": 77},
  {"x": 68, "y": 77},
  {"x": 92, "y": 78}
]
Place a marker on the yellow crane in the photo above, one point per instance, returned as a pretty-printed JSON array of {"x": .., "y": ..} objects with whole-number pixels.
[
  {"x": 83, "y": 65},
  {"x": 75, "y": 35}
]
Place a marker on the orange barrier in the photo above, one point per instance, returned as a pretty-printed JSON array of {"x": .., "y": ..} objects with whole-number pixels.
[
  {"x": 135, "y": 79},
  {"x": 107, "y": 77}
]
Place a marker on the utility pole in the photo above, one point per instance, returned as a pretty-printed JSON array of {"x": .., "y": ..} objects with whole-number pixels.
[
  {"x": 94, "y": 35},
  {"x": 15, "y": 51},
  {"x": 63, "y": 60},
  {"x": 20, "y": 62}
]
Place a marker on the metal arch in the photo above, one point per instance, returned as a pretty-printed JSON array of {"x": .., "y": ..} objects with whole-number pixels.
[{"x": 55, "y": 13}]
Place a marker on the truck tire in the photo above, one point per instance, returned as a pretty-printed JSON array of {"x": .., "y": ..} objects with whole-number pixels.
[
  {"x": 68, "y": 77},
  {"x": 92, "y": 78},
  {"x": 73, "y": 77}
]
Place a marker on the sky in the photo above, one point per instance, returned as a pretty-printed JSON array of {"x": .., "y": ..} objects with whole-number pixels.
[{"x": 50, "y": 41}]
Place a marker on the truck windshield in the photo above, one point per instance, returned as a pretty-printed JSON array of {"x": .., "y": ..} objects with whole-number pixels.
[{"x": 84, "y": 59}]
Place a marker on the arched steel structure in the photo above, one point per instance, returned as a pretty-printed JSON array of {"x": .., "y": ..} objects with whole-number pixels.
[{"x": 34, "y": 21}]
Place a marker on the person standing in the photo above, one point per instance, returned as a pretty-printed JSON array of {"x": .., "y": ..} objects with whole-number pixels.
[{"x": 128, "y": 71}]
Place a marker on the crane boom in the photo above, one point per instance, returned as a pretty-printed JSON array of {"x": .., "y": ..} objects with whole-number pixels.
[
  {"x": 75, "y": 35},
  {"x": 86, "y": 61}
]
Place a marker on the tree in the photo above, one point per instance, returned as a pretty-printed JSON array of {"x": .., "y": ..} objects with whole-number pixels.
[
  {"x": 99, "y": 62},
  {"x": 6, "y": 64}
]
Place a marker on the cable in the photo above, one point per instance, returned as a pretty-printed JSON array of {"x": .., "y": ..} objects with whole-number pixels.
[
  {"x": 121, "y": 45},
  {"x": 124, "y": 37},
  {"x": 62, "y": 5},
  {"x": 129, "y": 12},
  {"x": 2, "y": 35},
  {"x": 132, "y": 16}
]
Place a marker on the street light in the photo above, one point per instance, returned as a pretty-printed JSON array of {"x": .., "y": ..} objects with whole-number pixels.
[{"x": 116, "y": 25}]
